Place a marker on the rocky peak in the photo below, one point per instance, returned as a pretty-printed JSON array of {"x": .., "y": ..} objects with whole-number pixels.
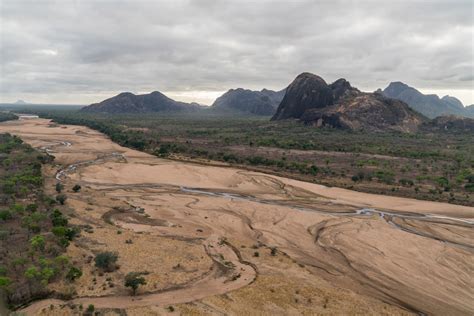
[{"x": 307, "y": 91}]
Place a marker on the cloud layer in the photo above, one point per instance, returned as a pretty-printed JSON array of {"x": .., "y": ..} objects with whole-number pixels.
[{"x": 83, "y": 51}]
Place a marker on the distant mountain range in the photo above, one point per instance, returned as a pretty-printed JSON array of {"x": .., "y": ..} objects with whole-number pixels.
[
  {"x": 429, "y": 105},
  {"x": 339, "y": 105},
  {"x": 264, "y": 102},
  {"x": 310, "y": 99},
  {"x": 239, "y": 100}
]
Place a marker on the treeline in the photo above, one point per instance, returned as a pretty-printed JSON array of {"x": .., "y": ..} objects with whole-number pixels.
[
  {"x": 7, "y": 116},
  {"x": 34, "y": 232},
  {"x": 151, "y": 143}
]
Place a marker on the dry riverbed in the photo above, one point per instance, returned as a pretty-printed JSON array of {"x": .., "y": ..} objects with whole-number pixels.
[{"x": 217, "y": 240}]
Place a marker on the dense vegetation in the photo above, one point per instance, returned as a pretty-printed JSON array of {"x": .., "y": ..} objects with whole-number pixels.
[
  {"x": 34, "y": 232},
  {"x": 7, "y": 116},
  {"x": 434, "y": 166}
]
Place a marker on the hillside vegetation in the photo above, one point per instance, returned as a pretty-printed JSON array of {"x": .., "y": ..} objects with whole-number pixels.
[{"x": 34, "y": 233}]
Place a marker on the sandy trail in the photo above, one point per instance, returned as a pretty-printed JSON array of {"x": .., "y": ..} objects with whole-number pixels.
[{"x": 414, "y": 254}]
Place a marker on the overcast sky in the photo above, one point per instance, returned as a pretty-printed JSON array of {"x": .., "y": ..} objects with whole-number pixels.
[{"x": 84, "y": 51}]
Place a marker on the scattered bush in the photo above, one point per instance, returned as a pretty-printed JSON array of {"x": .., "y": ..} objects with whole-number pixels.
[
  {"x": 106, "y": 261},
  {"x": 5, "y": 215},
  {"x": 89, "y": 311},
  {"x": 58, "y": 219},
  {"x": 59, "y": 187},
  {"x": 406, "y": 182},
  {"x": 61, "y": 198},
  {"x": 469, "y": 187},
  {"x": 5, "y": 282},
  {"x": 73, "y": 274}
]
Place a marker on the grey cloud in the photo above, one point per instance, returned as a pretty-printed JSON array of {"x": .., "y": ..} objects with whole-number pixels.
[{"x": 104, "y": 47}]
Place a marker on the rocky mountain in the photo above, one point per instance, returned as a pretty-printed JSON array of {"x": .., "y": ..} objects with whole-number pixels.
[
  {"x": 451, "y": 123},
  {"x": 128, "y": 102},
  {"x": 309, "y": 91},
  {"x": 263, "y": 102},
  {"x": 453, "y": 102},
  {"x": 339, "y": 105},
  {"x": 429, "y": 105},
  {"x": 469, "y": 110}
]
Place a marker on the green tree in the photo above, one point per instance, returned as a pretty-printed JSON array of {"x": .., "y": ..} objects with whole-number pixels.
[
  {"x": 133, "y": 280},
  {"x": 37, "y": 242},
  {"x": 61, "y": 261},
  {"x": 47, "y": 274},
  {"x": 31, "y": 273}
]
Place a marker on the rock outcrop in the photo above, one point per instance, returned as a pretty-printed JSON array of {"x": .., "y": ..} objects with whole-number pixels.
[{"x": 339, "y": 105}]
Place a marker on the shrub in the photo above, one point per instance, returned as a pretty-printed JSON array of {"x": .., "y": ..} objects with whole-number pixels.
[
  {"x": 469, "y": 187},
  {"x": 59, "y": 187},
  {"x": 106, "y": 261},
  {"x": 76, "y": 188},
  {"x": 470, "y": 178},
  {"x": 360, "y": 176},
  {"x": 386, "y": 177},
  {"x": 31, "y": 273},
  {"x": 4, "y": 282},
  {"x": 73, "y": 274},
  {"x": 442, "y": 182},
  {"x": 90, "y": 310},
  {"x": 61, "y": 261},
  {"x": 133, "y": 280},
  {"x": 5, "y": 215},
  {"x": 61, "y": 198},
  {"x": 58, "y": 219},
  {"x": 32, "y": 208},
  {"x": 47, "y": 274},
  {"x": 406, "y": 182},
  {"x": 59, "y": 231}
]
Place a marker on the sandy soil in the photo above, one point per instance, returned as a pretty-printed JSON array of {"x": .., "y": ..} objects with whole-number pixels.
[{"x": 205, "y": 236}]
